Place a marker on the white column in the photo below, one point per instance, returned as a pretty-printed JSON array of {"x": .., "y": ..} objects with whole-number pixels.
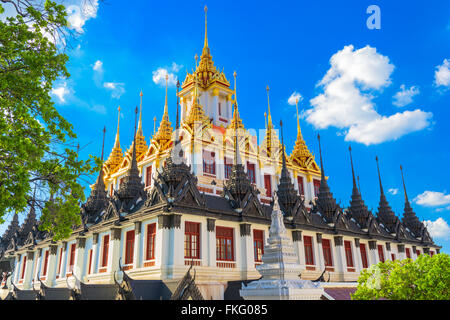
[
  {"x": 28, "y": 270},
  {"x": 247, "y": 253},
  {"x": 401, "y": 252},
  {"x": 79, "y": 263},
  {"x": 373, "y": 253},
  {"x": 388, "y": 251},
  {"x": 319, "y": 252},
  {"x": 137, "y": 245},
  {"x": 16, "y": 270},
  {"x": 95, "y": 253},
  {"x": 211, "y": 230},
  {"x": 114, "y": 253},
  {"x": 357, "y": 255},
  {"x": 62, "y": 273},
  {"x": 341, "y": 262},
  {"x": 299, "y": 248},
  {"x": 52, "y": 266},
  {"x": 414, "y": 253},
  {"x": 38, "y": 265},
  {"x": 173, "y": 244}
]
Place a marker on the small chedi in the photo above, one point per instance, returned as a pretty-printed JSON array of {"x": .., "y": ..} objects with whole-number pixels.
[{"x": 280, "y": 269}]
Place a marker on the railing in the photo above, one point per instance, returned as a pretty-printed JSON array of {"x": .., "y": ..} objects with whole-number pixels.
[
  {"x": 226, "y": 264},
  {"x": 195, "y": 262},
  {"x": 149, "y": 263}
]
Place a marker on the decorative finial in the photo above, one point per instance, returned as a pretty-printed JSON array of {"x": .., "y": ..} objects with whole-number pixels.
[
  {"x": 379, "y": 176},
  {"x": 206, "y": 27},
  {"x": 154, "y": 125},
  {"x": 404, "y": 186},
  {"x": 235, "y": 95},
  {"x": 321, "y": 162},
  {"x": 117, "y": 142},
  {"x": 165, "y": 106},
  {"x": 196, "y": 58},
  {"x": 351, "y": 162},
  {"x": 298, "y": 120},
  {"x": 103, "y": 144},
  {"x": 269, "y": 117},
  {"x": 140, "y": 116},
  {"x": 178, "y": 102}
]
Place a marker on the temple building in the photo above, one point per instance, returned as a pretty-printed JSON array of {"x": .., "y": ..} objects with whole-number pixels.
[{"x": 188, "y": 214}]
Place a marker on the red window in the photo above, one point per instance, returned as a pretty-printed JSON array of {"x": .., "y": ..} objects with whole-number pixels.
[
  {"x": 192, "y": 240},
  {"x": 90, "y": 261},
  {"x": 251, "y": 172},
  {"x": 129, "y": 247},
  {"x": 220, "y": 109},
  {"x": 148, "y": 176},
  {"x": 228, "y": 164},
  {"x": 44, "y": 272},
  {"x": 209, "y": 163},
  {"x": 151, "y": 236},
  {"x": 316, "y": 187},
  {"x": 431, "y": 253},
  {"x": 60, "y": 260},
  {"x": 393, "y": 256},
  {"x": 326, "y": 248},
  {"x": 105, "y": 251},
  {"x": 258, "y": 244},
  {"x": 362, "y": 249},
  {"x": 72, "y": 256},
  {"x": 418, "y": 252},
  {"x": 309, "y": 254},
  {"x": 224, "y": 244},
  {"x": 268, "y": 185},
  {"x": 24, "y": 265},
  {"x": 301, "y": 190},
  {"x": 348, "y": 254},
  {"x": 408, "y": 253},
  {"x": 380, "y": 253}
]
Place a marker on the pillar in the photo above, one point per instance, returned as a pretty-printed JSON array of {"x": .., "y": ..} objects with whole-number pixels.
[
  {"x": 79, "y": 263},
  {"x": 28, "y": 270},
  {"x": 247, "y": 252},
  {"x": 319, "y": 253},
  {"x": 357, "y": 255},
  {"x": 388, "y": 251},
  {"x": 401, "y": 251},
  {"x": 341, "y": 263},
  {"x": 114, "y": 250},
  {"x": 298, "y": 246},
  {"x": 137, "y": 245},
  {"x": 52, "y": 266},
  {"x": 414, "y": 253},
  {"x": 95, "y": 253},
  {"x": 211, "y": 242},
  {"x": 173, "y": 243},
  {"x": 38, "y": 266},
  {"x": 62, "y": 273},
  {"x": 373, "y": 254}
]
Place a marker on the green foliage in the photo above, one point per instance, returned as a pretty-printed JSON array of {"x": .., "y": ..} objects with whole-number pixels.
[
  {"x": 36, "y": 142},
  {"x": 426, "y": 278}
]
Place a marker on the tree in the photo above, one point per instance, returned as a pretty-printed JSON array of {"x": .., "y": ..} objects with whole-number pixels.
[
  {"x": 426, "y": 278},
  {"x": 37, "y": 145}
]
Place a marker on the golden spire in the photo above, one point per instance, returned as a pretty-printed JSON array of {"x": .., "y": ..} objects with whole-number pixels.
[
  {"x": 301, "y": 154},
  {"x": 116, "y": 155},
  {"x": 269, "y": 118},
  {"x": 206, "y": 28},
  {"x": 139, "y": 131},
  {"x": 165, "y": 128},
  {"x": 196, "y": 113},
  {"x": 154, "y": 124},
  {"x": 236, "y": 121},
  {"x": 117, "y": 142}
]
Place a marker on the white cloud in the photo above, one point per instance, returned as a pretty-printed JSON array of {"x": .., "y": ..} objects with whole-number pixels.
[
  {"x": 81, "y": 11},
  {"x": 294, "y": 96},
  {"x": 393, "y": 191},
  {"x": 442, "y": 74},
  {"x": 432, "y": 199},
  {"x": 117, "y": 89},
  {"x": 159, "y": 77},
  {"x": 438, "y": 228},
  {"x": 390, "y": 128},
  {"x": 98, "y": 66},
  {"x": 405, "y": 96},
  {"x": 61, "y": 92},
  {"x": 176, "y": 67},
  {"x": 346, "y": 101}
]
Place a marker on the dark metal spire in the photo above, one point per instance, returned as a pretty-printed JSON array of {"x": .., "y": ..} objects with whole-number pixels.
[
  {"x": 325, "y": 203},
  {"x": 385, "y": 214},
  {"x": 410, "y": 219},
  {"x": 287, "y": 196}
]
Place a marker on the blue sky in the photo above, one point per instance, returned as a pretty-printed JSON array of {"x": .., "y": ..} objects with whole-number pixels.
[{"x": 383, "y": 91}]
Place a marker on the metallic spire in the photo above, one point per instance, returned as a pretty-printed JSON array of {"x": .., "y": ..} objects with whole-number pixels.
[
  {"x": 177, "y": 125},
  {"x": 269, "y": 116},
  {"x": 117, "y": 142},
  {"x": 321, "y": 163},
  {"x": 103, "y": 144},
  {"x": 379, "y": 176},
  {"x": 404, "y": 187},
  {"x": 139, "y": 132},
  {"x": 206, "y": 27},
  {"x": 299, "y": 132},
  {"x": 355, "y": 188}
]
